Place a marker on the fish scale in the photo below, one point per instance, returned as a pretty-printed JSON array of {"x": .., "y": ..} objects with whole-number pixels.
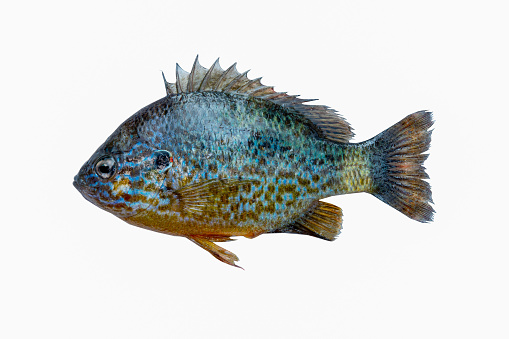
[{"x": 222, "y": 155}]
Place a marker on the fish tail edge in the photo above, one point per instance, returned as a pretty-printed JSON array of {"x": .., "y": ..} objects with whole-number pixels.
[{"x": 398, "y": 170}]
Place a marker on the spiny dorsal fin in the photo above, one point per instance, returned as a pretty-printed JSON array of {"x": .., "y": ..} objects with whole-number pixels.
[
  {"x": 200, "y": 79},
  {"x": 321, "y": 220}
]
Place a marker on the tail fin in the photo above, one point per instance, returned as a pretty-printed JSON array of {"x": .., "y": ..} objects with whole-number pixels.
[{"x": 398, "y": 166}]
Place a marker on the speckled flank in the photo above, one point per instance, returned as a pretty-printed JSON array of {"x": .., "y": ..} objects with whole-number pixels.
[{"x": 279, "y": 164}]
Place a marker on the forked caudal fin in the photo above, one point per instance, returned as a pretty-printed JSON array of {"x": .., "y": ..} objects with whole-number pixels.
[{"x": 397, "y": 166}]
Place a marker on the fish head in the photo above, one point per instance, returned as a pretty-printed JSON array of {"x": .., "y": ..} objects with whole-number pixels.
[{"x": 123, "y": 181}]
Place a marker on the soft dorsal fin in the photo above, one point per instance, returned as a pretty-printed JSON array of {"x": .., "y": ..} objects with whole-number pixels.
[{"x": 200, "y": 79}]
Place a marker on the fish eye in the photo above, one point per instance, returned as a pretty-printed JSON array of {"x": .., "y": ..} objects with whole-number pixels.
[
  {"x": 163, "y": 160},
  {"x": 105, "y": 167}
]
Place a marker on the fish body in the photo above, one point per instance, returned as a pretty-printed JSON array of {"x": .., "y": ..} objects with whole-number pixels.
[{"x": 223, "y": 156}]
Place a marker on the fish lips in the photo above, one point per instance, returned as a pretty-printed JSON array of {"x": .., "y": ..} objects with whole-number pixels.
[
  {"x": 78, "y": 183},
  {"x": 87, "y": 192},
  {"x": 82, "y": 187},
  {"x": 75, "y": 183}
]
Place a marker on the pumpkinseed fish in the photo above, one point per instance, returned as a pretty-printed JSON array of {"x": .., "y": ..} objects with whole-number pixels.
[{"x": 223, "y": 156}]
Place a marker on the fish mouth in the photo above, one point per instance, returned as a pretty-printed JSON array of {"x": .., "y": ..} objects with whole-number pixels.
[
  {"x": 78, "y": 183},
  {"x": 84, "y": 190},
  {"x": 75, "y": 182}
]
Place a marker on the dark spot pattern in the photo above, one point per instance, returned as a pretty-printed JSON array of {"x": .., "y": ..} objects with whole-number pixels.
[{"x": 277, "y": 156}]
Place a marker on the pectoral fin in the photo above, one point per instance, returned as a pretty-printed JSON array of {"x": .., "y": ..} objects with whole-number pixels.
[
  {"x": 217, "y": 251},
  {"x": 207, "y": 198}
]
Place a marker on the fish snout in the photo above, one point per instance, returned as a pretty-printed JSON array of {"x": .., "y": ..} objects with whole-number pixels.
[{"x": 77, "y": 182}]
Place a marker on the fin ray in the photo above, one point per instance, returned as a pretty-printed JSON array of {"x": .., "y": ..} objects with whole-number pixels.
[
  {"x": 205, "y": 198},
  {"x": 182, "y": 79},
  {"x": 398, "y": 166},
  {"x": 228, "y": 75},
  {"x": 217, "y": 251},
  {"x": 321, "y": 220},
  {"x": 211, "y": 77},
  {"x": 196, "y": 76}
]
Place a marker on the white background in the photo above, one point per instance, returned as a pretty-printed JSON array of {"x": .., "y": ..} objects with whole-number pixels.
[{"x": 71, "y": 72}]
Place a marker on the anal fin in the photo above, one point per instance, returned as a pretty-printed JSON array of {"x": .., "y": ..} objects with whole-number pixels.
[
  {"x": 217, "y": 251},
  {"x": 321, "y": 220}
]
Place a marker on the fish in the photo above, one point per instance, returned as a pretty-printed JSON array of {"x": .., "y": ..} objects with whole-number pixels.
[{"x": 224, "y": 156}]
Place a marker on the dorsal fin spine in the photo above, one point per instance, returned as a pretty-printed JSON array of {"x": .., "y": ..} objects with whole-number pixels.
[
  {"x": 244, "y": 88},
  {"x": 225, "y": 75},
  {"x": 211, "y": 70},
  {"x": 167, "y": 85},
  {"x": 182, "y": 79},
  {"x": 196, "y": 76},
  {"x": 276, "y": 95},
  {"x": 190, "y": 81},
  {"x": 232, "y": 84},
  {"x": 259, "y": 89}
]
